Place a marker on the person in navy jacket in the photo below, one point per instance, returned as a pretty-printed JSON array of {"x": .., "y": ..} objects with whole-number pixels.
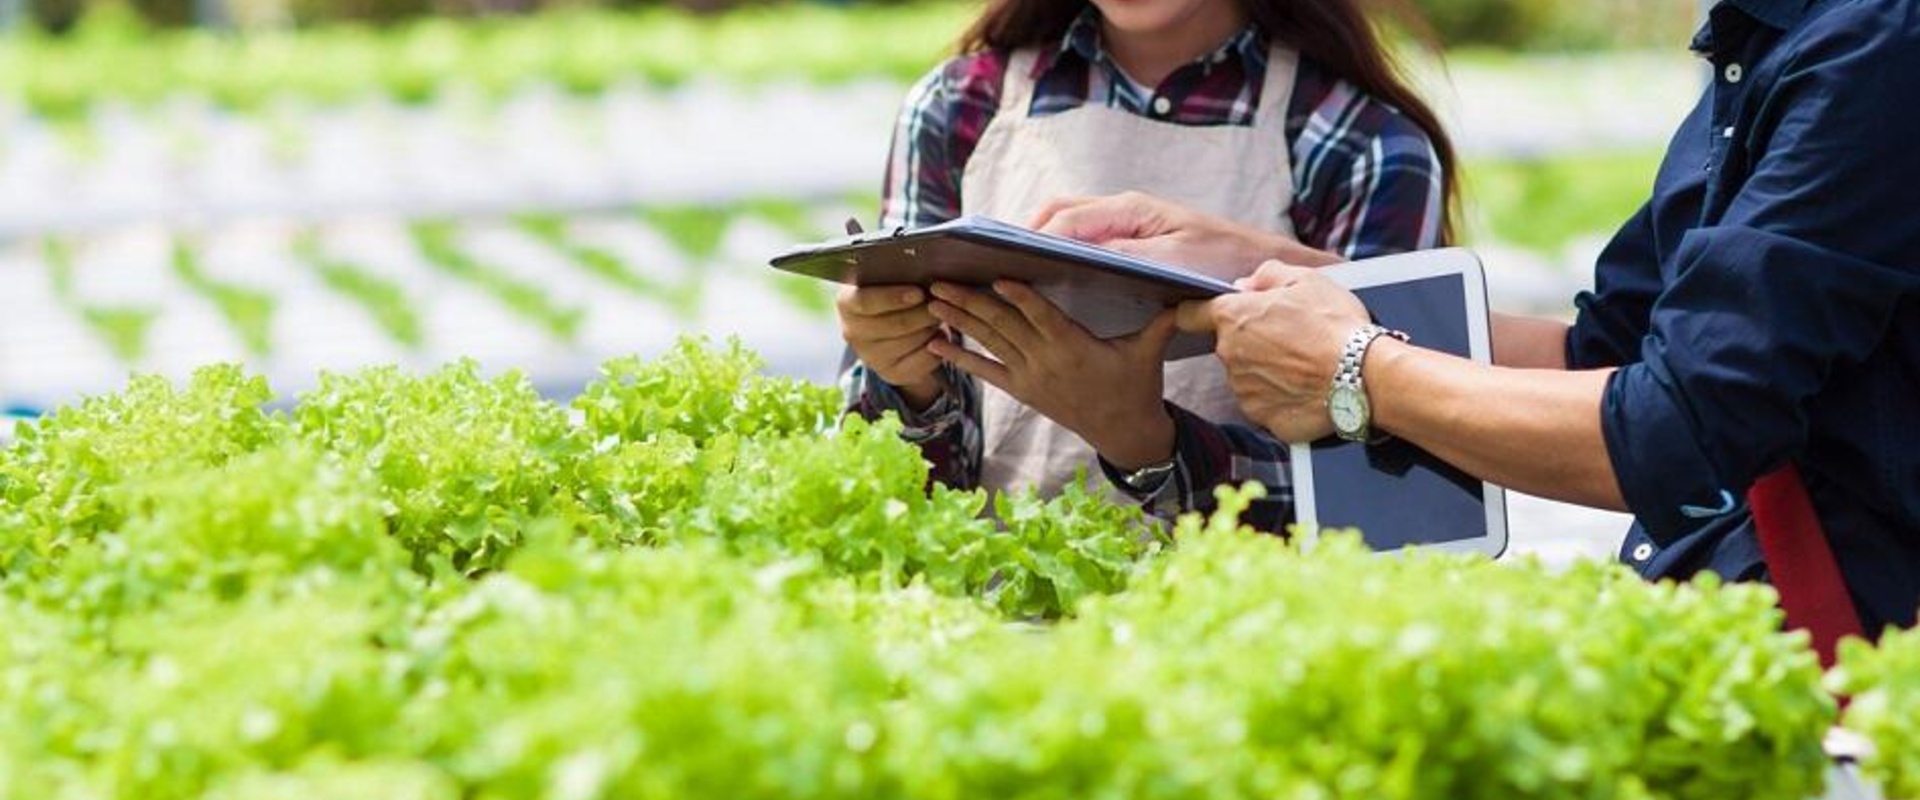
[{"x": 1760, "y": 312}]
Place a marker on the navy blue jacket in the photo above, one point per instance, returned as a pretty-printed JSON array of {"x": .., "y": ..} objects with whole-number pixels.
[{"x": 1765, "y": 304}]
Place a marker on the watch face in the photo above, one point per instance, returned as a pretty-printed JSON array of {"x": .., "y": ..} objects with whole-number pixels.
[{"x": 1348, "y": 407}]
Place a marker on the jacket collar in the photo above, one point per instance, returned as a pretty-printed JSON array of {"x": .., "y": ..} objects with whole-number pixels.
[
  {"x": 1778, "y": 14},
  {"x": 1782, "y": 14}
]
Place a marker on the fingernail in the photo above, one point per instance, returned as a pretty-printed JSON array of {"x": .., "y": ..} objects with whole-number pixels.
[{"x": 910, "y": 296}]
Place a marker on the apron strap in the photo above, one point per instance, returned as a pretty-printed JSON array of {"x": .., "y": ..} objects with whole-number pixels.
[
  {"x": 1800, "y": 559},
  {"x": 1276, "y": 88},
  {"x": 1276, "y": 100},
  {"x": 1016, "y": 85}
]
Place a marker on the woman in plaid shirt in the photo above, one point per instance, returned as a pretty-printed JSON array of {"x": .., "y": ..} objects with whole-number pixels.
[{"x": 1286, "y": 116}]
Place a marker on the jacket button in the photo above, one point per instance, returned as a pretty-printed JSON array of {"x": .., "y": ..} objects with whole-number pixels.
[{"x": 1642, "y": 551}]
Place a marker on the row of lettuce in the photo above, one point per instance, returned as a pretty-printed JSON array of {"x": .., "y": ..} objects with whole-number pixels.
[
  {"x": 696, "y": 234},
  {"x": 694, "y": 581},
  {"x": 114, "y": 58}
]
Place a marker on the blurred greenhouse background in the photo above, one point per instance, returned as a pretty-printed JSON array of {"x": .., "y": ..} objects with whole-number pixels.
[{"x": 307, "y": 185}]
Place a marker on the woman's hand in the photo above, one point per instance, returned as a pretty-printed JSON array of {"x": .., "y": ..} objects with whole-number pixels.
[
  {"x": 888, "y": 328},
  {"x": 1281, "y": 338},
  {"x": 1106, "y": 391},
  {"x": 1152, "y": 228}
]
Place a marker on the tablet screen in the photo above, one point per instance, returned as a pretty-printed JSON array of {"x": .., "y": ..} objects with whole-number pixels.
[{"x": 1395, "y": 493}]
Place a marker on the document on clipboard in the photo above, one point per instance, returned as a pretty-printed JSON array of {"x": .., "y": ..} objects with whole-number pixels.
[{"x": 1109, "y": 293}]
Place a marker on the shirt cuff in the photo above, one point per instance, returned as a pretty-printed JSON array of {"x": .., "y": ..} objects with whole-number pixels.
[
  {"x": 1196, "y": 457},
  {"x": 1666, "y": 478},
  {"x": 878, "y": 396}
]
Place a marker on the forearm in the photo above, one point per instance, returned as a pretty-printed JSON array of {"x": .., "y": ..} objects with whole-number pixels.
[
  {"x": 1537, "y": 431},
  {"x": 1529, "y": 342}
]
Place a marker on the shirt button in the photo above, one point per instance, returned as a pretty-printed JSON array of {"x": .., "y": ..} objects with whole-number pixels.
[
  {"x": 1161, "y": 105},
  {"x": 1642, "y": 551},
  {"x": 1728, "y": 133},
  {"x": 1734, "y": 73}
]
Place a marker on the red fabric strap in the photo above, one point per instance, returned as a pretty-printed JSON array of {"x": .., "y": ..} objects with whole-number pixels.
[{"x": 1801, "y": 561}]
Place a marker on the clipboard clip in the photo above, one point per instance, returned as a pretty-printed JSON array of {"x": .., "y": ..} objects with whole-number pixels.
[{"x": 857, "y": 233}]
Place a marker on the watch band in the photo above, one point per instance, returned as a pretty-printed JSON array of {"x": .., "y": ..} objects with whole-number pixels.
[
  {"x": 1347, "y": 378},
  {"x": 1354, "y": 355},
  {"x": 1149, "y": 478}
]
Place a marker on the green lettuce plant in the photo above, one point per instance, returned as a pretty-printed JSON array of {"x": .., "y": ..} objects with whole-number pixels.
[
  {"x": 1884, "y": 682},
  {"x": 693, "y": 582}
]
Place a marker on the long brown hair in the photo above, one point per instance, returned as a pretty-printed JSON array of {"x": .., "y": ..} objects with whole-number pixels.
[{"x": 1338, "y": 35}]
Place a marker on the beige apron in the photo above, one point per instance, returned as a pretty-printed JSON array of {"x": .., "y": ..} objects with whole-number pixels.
[{"x": 1241, "y": 173}]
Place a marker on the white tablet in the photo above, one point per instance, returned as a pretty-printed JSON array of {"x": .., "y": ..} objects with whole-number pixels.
[{"x": 1396, "y": 494}]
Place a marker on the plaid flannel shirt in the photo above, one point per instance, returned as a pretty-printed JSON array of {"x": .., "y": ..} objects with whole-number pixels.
[{"x": 1367, "y": 182}]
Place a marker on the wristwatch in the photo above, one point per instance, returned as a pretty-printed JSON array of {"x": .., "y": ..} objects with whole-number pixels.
[{"x": 1347, "y": 399}]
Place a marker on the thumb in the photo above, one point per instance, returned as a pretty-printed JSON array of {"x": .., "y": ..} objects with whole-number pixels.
[
  {"x": 1195, "y": 316},
  {"x": 1153, "y": 339}
]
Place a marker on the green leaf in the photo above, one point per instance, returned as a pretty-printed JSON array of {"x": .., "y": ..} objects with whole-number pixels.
[
  {"x": 696, "y": 231},
  {"x": 248, "y": 311},
  {"x": 437, "y": 242},
  {"x": 383, "y": 299},
  {"x": 681, "y": 297}
]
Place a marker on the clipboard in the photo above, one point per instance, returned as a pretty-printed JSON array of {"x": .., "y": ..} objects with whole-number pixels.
[{"x": 1109, "y": 293}]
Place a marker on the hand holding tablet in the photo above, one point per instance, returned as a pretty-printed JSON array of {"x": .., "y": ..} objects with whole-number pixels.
[{"x": 1396, "y": 494}]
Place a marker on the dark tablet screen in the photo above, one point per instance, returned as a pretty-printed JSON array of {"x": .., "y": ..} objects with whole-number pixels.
[{"x": 1395, "y": 493}]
